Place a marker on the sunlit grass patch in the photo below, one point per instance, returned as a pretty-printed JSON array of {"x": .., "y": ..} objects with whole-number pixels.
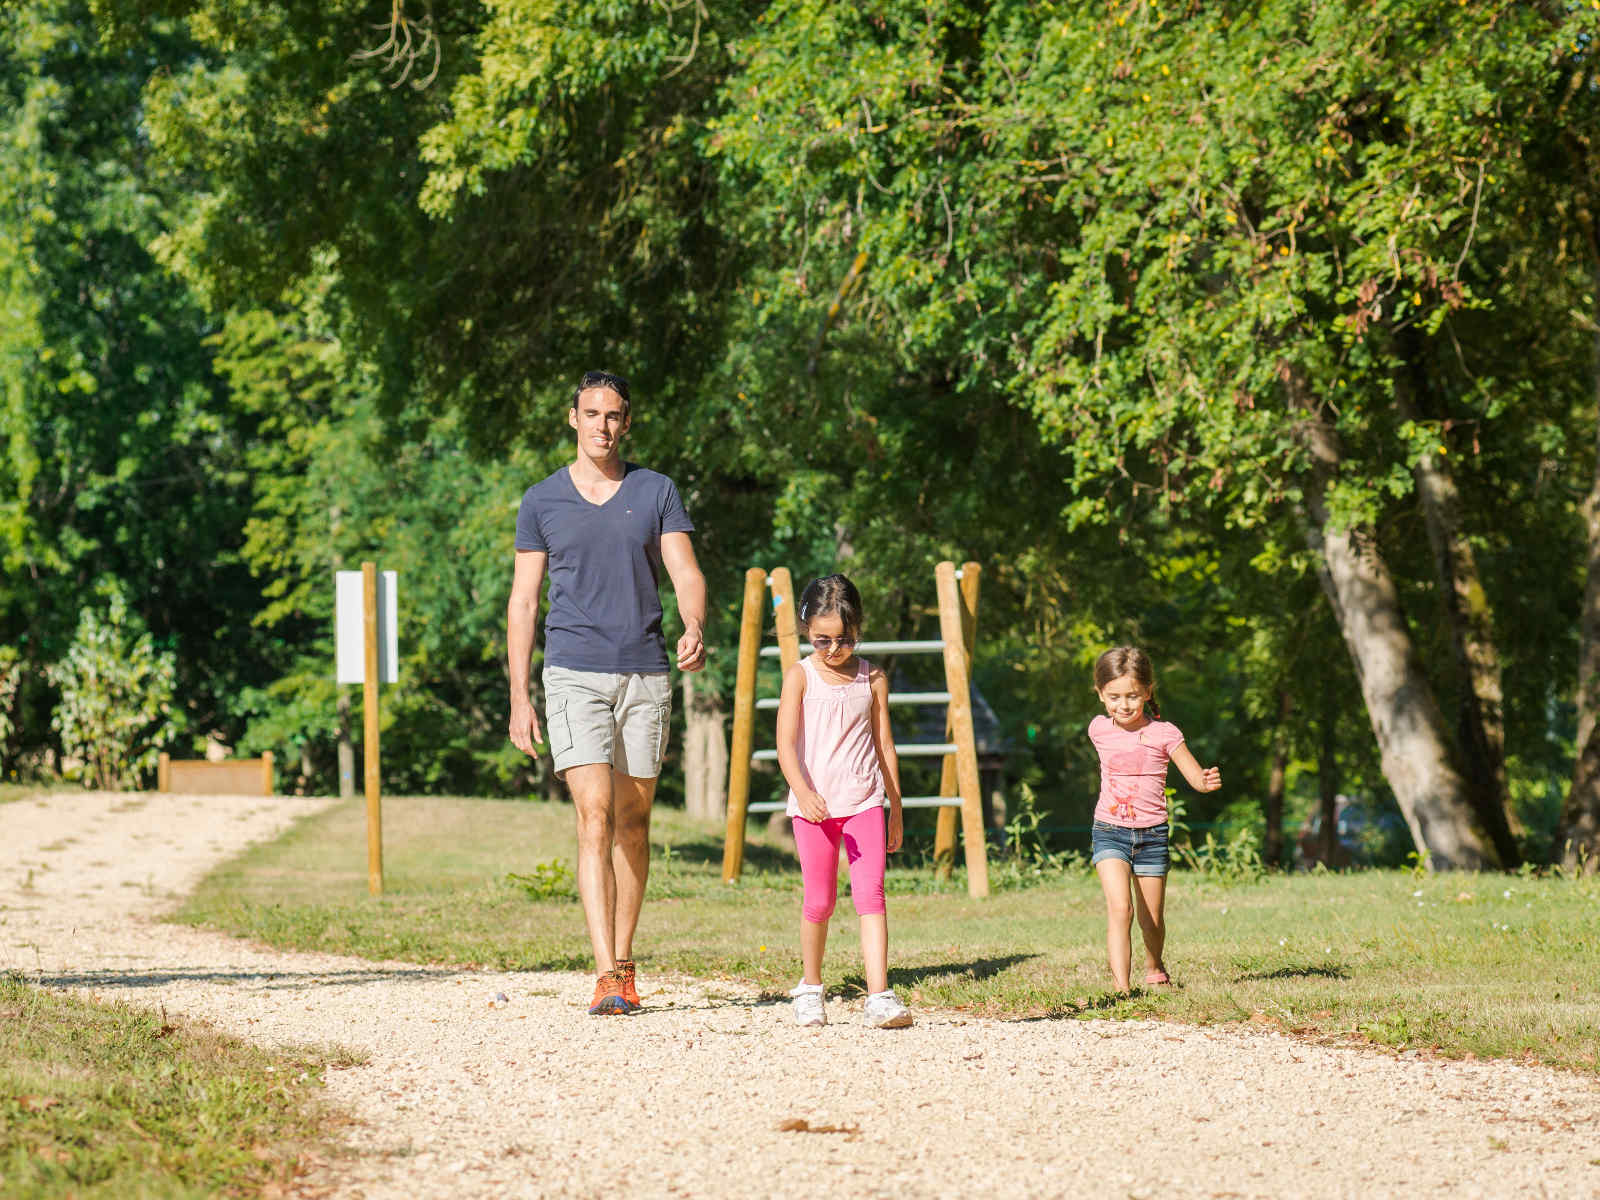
[
  {"x": 1501, "y": 965},
  {"x": 108, "y": 1100}
]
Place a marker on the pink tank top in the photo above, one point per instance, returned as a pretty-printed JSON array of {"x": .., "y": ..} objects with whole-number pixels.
[{"x": 835, "y": 745}]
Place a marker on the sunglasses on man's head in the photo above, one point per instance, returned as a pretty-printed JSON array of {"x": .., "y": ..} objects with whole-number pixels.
[
  {"x": 604, "y": 379},
  {"x": 825, "y": 645}
]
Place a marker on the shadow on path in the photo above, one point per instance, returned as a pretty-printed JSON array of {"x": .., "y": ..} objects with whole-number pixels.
[
  {"x": 952, "y": 972},
  {"x": 135, "y": 977}
]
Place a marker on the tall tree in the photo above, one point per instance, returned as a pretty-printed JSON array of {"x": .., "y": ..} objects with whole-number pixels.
[
  {"x": 121, "y": 457},
  {"x": 1195, "y": 242}
]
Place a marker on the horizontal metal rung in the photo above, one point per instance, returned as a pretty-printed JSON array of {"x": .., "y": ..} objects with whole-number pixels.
[
  {"x": 768, "y": 703},
  {"x": 772, "y": 806},
  {"x": 905, "y": 749},
  {"x": 925, "y": 749},
  {"x": 932, "y": 647}
]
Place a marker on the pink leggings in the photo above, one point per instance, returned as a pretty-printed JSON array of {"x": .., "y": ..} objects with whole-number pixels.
[{"x": 864, "y": 847}]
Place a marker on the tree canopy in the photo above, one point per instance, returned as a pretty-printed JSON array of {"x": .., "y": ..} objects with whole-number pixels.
[{"x": 1263, "y": 334}]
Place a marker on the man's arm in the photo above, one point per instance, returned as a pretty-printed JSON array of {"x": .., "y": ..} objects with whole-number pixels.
[
  {"x": 677, "y": 553},
  {"x": 522, "y": 619}
]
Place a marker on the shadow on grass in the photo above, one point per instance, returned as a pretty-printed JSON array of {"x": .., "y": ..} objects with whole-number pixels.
[
  {"x": 967, "y": 972},
  {"x": 1113, "y": 1004},
  {"x": 1306, "y": 972},
  {"x": 706, "y": 851}
]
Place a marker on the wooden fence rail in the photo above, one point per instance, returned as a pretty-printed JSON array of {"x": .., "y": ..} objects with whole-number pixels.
[{"x": 230, "y": 777}]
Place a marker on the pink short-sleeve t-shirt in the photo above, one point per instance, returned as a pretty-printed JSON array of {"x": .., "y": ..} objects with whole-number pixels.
[{"x": 1133, "y": 771}]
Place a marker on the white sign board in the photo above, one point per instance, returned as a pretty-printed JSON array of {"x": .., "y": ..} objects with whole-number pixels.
[{"x": 350, "y": 642}]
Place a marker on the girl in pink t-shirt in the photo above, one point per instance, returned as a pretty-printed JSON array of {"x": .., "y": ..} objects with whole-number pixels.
[
  {"x": 837, "y": 752},
  {"x": 1129, "y": 842}
]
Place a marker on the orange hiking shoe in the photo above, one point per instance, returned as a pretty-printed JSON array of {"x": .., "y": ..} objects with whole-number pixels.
[
  {"x": 630, "y": 991},
  {"x": 608, "y": 999}
]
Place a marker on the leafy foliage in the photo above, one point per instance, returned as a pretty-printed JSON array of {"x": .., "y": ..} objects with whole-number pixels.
[
  {"x": 895, "y": 282},
  {"x": 116, "y": 695},
  {"x": 10, "y": 679}
]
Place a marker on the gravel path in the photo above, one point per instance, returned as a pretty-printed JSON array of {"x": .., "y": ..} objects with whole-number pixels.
[{"x": 533, "y": 1097}]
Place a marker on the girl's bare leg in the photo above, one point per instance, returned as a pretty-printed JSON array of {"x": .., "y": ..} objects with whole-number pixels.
[
  {"x": 1114, "y": 876},
  {"x": 1150, "y": 896},
  {"x": 813, "y": 941},
  {"x": 875, "y": 951}
]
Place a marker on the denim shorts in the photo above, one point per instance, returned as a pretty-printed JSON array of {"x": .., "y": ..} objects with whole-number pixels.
[
  {"x": 1145, "y": 850},
  {"x": 621, "y": 719}
]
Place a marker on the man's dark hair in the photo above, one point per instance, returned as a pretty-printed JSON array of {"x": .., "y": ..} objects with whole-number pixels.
[{"x": 602, "y": 379}]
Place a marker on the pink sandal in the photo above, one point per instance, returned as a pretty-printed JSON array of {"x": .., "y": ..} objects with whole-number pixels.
[{"x": 1156, "y": 978}]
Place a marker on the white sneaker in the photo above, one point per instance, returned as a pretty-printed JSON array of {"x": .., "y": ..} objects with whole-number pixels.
[
  {"x": 884, "y": 1011},
  {"x": 808, "y": 1009}
]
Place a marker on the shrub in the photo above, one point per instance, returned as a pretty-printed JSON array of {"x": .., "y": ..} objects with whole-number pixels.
[
  {"x": 116, "y": 694},
  {"x": 10, "y": 680}
]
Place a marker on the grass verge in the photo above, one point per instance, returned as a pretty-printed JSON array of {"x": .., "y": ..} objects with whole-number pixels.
[
  {"x": 10, "y": 793},
  {"x": 108, "y": 1100},
  {"x": 1461, "y": 965}
]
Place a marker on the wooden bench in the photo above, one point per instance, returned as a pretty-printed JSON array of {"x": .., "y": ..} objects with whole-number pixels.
[{"x": 230, "y": 777}]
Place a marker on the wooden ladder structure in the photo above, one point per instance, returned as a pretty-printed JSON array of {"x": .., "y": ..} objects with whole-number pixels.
[{"x": 958, "y": 785}]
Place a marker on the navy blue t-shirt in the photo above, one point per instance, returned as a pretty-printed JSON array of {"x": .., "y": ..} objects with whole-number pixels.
[{"x": 605, "y": 569}]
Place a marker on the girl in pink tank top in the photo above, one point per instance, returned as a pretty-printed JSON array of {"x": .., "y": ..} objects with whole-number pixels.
[{"x": 837, "y": 753}]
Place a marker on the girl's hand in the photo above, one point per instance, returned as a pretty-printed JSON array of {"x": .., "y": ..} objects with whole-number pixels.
[
  {"x": 812, "y": 806},
  {"x": 1210, "y": 779},
  {"x": 896, "y": 830}
]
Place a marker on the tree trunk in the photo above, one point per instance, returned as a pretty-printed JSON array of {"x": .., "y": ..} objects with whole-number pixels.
[
  {"x": 1481, "y": 726},
  {"x": 705, "y": 753},
  {"x": 1272, "y": 844},
  {"x": 1328, "y": 794},
  {"x": 1577, "y": 841},
  {"x": 1410, "y": 730},
  {"x": 347, "y": 749}
]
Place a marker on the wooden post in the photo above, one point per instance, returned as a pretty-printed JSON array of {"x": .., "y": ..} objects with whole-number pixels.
[
  {"x": 163, "y": 772},
  {"x": 266, "y": 773},
  {"x": 957, "y": 682},
  {"x": 944, "y": 840},
  {"x": 744, "y": 722},
  {"x": 785, "y": 618},
  {"x": 369, "y": 701}
]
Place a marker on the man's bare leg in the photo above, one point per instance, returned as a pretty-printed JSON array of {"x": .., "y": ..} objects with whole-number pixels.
[
  {"x": 630, "y": 854},
  {"x": 592, "y": 797}
]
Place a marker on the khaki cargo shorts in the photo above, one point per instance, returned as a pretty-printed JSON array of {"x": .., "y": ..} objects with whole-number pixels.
[{"x": 595, "y": 717}]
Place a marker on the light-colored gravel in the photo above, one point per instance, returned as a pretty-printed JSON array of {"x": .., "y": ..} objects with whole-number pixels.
[{"x": 535, "y": 1098}]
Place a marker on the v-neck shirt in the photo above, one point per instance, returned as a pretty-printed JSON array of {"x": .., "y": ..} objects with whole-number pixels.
[{"x": 604, "y": 567}]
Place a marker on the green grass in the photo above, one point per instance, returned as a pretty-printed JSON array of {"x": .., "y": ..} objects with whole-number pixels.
[
  {"x": 108, "y": 1100},
  {"x": 10, "y": 793},
  {"x": 1491, "y": 965}
]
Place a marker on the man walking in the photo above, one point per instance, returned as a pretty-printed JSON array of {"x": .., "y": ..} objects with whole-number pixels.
[{"x": 602, "y": 528}]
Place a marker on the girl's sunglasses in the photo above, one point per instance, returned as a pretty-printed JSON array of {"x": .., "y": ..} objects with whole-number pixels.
[{"x": 825, "y": 645}]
